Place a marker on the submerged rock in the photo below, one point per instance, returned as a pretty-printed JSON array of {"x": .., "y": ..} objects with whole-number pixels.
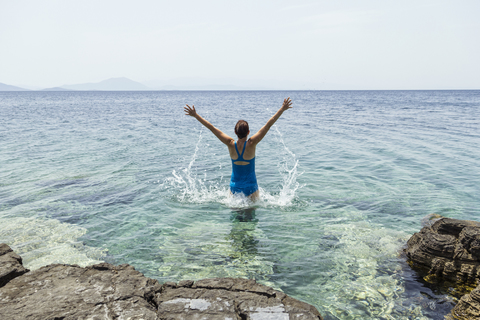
[
  {"x": 468, "y": 307},
  {"x": 105, "y": 291},
  {"x": 450, "y": 250}
]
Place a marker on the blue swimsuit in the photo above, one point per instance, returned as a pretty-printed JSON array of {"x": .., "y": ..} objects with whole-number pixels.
[{"x": 243, "y": 176}]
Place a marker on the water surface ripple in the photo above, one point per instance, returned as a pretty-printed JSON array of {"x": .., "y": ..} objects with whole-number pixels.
[{"x": 346, "y": 177}]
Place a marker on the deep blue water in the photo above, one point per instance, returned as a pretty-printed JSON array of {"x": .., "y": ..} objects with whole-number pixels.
[{"x": 346, "y": 178}]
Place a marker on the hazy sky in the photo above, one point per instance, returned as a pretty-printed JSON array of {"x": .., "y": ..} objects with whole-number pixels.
[{"x": 302, "y": 44}]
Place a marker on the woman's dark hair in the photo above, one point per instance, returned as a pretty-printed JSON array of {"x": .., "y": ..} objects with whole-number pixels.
[{"x": 241, "y": 129}]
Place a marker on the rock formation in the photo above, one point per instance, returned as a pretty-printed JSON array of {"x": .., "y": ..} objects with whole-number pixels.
[
  {"x": 105, "y": 291},
  {"x": 230, "y": 298},
  {"x": 450, "y": 250},
  {"x": 72, "y": 292},
  {"x": 468, "y": 307},
  {"x": 10, "y": 265}
]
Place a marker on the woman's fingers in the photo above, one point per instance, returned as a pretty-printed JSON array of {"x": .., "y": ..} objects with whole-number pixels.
[
  {"x": 189, "y": 111},
  {"x": 287, "y": 103}
]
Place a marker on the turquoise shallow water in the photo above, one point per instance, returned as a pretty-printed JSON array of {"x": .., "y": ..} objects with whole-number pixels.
[{"x": 346, "y": 178}]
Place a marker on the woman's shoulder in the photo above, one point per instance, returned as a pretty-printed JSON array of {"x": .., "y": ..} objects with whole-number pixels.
[
  {"x": 231, "y": 144},
  {"x": 251, "y": 142}
]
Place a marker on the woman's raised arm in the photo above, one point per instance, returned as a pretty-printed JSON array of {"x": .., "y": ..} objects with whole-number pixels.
[
  {"x": 190, "y": 111},
  {"x": 257, "y": 137}
]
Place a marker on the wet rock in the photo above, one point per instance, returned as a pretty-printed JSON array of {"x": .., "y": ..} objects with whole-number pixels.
[
  {"x": 449, "y": 248},
  {"x": 468, "y": 307},
  {"x": 229, "y": 298},
  {"x": 10, "y": 265},
  {"x": 105, "y": 291}
]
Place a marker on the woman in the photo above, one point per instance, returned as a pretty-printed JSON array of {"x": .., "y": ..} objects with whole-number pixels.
[{"x": 243, "y": 163}]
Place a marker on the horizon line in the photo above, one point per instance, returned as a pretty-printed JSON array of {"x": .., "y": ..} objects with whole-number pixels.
[{"x": 161, "y": 90}]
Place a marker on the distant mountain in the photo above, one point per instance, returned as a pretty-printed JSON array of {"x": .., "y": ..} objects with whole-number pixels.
[
  {"x": 56, "y": 89},
  {"x": 113, "y": 84},
  {"x": 211, "y": 87},
  {"x": 198, "y": 83},
  {"x": 7, "y": 87}
]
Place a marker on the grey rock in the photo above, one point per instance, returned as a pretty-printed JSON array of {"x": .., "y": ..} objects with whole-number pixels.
[
  {"x": 10, "y": 265},
  {"x": 105, "y": 291},
  {"x": 100, "y": 291},
  {"x": 229, "y": 298}
]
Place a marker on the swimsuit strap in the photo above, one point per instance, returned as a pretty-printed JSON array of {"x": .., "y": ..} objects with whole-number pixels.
[
  {"x": 243, "y": 151},
  {"x": 240, "y": 156},
  {"x": 238, "y": 153}
]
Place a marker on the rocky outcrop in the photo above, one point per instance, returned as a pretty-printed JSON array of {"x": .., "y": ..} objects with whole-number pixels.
[
  {"x": 10, "y": 265},
  {"x": 468, "y": 307},
  {"x": 105, "y": 291},
  {"x": 229, "y": 298},
  {"x": 450, "y": 250},
  {"x": 71, "y": 292}
]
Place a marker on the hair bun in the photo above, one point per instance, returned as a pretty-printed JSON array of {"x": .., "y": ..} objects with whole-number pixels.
[{"x": 241, "y": 129}]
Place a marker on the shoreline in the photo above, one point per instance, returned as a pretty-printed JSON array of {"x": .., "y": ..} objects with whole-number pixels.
[{"x": 106, "y": 291}]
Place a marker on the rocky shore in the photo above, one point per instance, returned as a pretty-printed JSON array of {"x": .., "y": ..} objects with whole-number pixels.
[
  {"x": 450, "y": 250},
  {"x": 105, "y": 291},
  {"x": 447, "y": 250}
]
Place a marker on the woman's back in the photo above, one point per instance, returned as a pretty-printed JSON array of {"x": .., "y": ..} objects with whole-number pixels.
[
  {"x": 248, "y": 154},
  {"x": 243, "y": 179}
]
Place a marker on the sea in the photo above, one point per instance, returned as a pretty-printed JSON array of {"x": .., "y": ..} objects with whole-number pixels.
[{"x": 345, "y": 177}]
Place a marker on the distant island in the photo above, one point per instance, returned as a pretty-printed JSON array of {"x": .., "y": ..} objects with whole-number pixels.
[
  {"x": 196, "y": 84},
  {"x": 125, "y": 84},
  {"x": 7, "y": 87},
  {"x": 113, "y": 84},
  {"x": 120, "y": 84},
  {"x": 56, "y": 89}
]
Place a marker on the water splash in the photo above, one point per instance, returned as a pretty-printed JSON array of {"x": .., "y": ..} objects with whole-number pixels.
[
  {"x": 288, "y": 170},
  {"x": 187, "y": 186}
]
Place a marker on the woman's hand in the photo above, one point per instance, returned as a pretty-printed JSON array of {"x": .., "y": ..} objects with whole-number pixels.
[
  {"x": 257, "y": 137},
  {"x": 190, "y": 111},
  {"x": 287, "y": 104}
]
